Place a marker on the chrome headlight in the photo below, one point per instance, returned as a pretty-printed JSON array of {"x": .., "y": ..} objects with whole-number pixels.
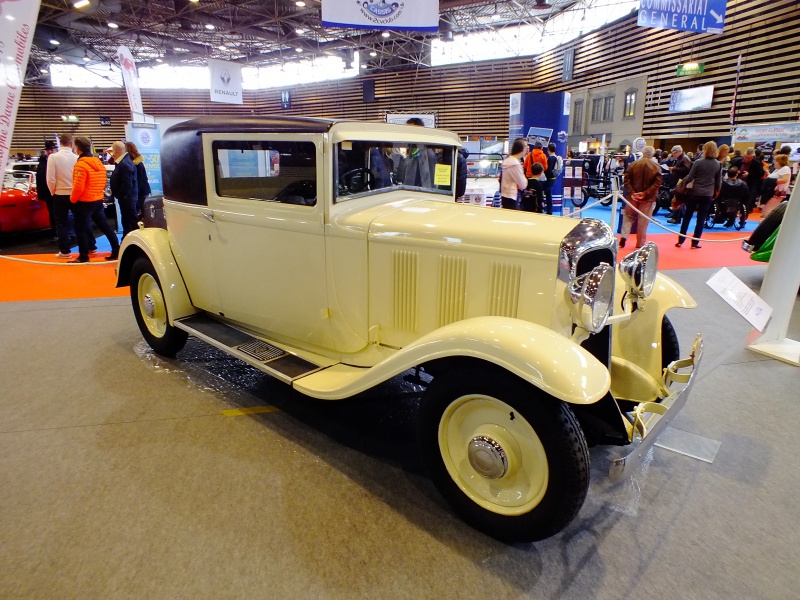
[
  {"x": 639, "y": 269},
  {"x": 591, "y": 294}
]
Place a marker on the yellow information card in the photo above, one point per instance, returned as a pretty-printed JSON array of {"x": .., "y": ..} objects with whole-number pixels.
[{"x": 442, "y": 175}]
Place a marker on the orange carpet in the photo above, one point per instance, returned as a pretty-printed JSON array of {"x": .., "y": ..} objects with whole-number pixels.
[
  {"x": 40, "y": 279},
  {"x": 711, "y": 254}
]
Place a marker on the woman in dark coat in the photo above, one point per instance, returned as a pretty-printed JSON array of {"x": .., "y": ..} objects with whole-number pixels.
[
  {"x": 703, "y": 184},
  {"x": 141, "y": 176}
]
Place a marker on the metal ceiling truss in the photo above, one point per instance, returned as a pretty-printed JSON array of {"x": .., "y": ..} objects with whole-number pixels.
[{"x": 252, "y": 32}]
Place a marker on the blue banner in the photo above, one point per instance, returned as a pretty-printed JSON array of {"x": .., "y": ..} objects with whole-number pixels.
[
  {"x": 147, "y": 137},
  {"x": 413, "y": 15},
  {"x": 696, "y": 16}
]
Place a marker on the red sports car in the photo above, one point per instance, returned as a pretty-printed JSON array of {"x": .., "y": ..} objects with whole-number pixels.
[{"x": 20, "y": 207}]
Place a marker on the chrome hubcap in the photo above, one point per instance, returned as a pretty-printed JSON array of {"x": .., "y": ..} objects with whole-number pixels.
[
  {"x": 149, "y": 306},
  {"x": 487, "y": 457}
]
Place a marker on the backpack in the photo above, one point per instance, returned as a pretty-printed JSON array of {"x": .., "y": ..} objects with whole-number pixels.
[{"x": 559, "y": 166}]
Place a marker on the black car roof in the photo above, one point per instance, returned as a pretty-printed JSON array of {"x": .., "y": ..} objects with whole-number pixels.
[
  {"x": 264, "y": 124},
  {"x": 182, "y": 148}
]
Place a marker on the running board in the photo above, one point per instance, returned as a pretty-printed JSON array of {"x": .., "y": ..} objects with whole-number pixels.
[{"x": 255, "y": 352}]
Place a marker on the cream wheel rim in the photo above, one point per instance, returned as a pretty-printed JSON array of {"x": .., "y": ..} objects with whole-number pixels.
[
  {"x": 493, "y": 454},
  {"x": 151, "y": 304}
]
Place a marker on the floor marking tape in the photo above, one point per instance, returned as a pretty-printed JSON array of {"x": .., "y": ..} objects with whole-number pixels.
[{"x": 236, "y": 412}]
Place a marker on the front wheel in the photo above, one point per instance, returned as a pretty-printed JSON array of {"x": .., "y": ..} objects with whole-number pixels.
[
  {"x": 741, "y": 217},
  {"x": 579, "y": 202},
  {"x": 150, "y": 310},
  {"x": 509, "y": 460}
]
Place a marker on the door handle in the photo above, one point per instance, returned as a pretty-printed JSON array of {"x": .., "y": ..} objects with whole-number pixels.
[{"x": 208, "y": 216}]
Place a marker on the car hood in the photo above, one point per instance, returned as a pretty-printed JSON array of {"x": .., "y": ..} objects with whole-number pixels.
[{"x": 462, "y": 226}]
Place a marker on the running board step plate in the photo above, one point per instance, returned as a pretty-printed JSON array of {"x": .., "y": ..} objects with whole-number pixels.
[{"x": 255, "y": 352}]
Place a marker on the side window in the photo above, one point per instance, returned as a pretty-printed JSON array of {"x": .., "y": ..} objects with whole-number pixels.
[{"x": 269, "y": 171}]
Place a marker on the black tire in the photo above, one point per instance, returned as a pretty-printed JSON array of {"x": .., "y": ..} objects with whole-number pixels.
[
  {"x": 150, "y": 310},
  {"x": 767, "y": 227},
  {"x": 670, "y": 346},
  {"x": 579, "y": 202},
  {"x": 547, "y": 477},
  {"x": 606, "y": 202},
  {"x": 741, "y": 217}
]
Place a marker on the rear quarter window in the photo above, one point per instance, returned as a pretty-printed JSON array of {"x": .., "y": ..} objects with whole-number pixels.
[{"x": 267, "y": 171}]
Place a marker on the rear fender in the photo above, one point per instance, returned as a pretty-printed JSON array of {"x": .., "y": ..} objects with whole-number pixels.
[
  {"x": 154, "y": 244},
  {"x": 547, "y": 360}
]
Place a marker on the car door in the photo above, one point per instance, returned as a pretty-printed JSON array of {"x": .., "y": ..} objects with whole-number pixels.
[{"x": 268, "y": 244}]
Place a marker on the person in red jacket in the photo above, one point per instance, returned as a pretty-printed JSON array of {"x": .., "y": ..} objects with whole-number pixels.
[{"x": 88, "y": 185}]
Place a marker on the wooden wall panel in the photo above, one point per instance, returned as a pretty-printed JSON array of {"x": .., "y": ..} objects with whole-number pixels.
[{"x": 472, "y": 99}]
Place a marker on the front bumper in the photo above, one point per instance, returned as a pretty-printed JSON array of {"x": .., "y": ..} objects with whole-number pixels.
[{"x": 645, "y": 429}]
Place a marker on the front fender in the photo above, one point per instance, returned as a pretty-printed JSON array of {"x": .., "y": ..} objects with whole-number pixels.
[
  {"x": 547, "y": 360},
  {"x": 153, "y": 243},
  {"x": 638, "y": 340}
]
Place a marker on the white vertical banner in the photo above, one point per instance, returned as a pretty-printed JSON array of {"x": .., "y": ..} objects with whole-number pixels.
[
  {"x": 409, "y": 15},
  {"x": 226, "y": 81},
  {"x": 131, "y": 79},
  {"x": 16, "y": 35}
]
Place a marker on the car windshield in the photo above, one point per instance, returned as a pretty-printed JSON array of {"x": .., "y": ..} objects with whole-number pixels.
[
  {"x": 378, "y": 166},
  {"x": 20, "y": 180},
  {"x": 484, "y": 165}
]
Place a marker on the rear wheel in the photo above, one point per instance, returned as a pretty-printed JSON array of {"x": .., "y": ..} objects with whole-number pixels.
[
  {"x": 741, "y": 217},
  {"x": 150, "y": 310},
  {"x": 510, "y": 462}
]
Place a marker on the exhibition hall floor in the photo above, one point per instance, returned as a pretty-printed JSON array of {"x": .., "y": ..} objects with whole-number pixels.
[{"x": 126, "y": 475}]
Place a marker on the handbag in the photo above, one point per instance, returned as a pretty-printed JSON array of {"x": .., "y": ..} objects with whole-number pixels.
[{"x": 683, "y": 187}]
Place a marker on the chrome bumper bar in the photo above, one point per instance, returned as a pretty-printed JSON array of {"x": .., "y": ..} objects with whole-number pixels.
[{"x": 661, "y": 413}]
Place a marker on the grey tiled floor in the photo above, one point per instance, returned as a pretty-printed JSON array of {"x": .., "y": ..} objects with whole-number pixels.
[{"x": 120, "y": 478}]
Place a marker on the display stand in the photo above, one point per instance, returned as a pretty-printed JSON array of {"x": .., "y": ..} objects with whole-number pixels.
[
  {"x": 573, "y": 180},
  {"x": 780, "y": 286}
]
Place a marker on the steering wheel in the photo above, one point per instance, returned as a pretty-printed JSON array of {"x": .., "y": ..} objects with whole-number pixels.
[{"x": 355, "y": 181}]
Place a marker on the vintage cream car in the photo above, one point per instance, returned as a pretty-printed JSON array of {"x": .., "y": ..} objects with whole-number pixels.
[{"x": 333, "y": 256}]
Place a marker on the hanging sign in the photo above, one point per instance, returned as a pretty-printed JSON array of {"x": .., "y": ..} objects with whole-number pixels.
[
  {"x": 131, "y": 80},
  {"x": 226, "y": 81},
  {"x": 696, "y": 16},
  {"x": 408, "y": 15},
  {"x": 691, "y": 68},
  {"x": 788, "y": 132},
  {"x": 16, "y": 36}
]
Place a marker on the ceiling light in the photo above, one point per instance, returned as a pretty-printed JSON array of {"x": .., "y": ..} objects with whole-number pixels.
[
  {"x": 81, "y": 3},
  {"x": 385, "y": 34},
  {"x": 112, "y": 25},
  {"x": 45, "y": 71},
  {"x": 55, "y": 42},
  {"x": 363, "y": 66},
  {"x": 299, "y": 31},
  {"x": 298, "y": 49},
  {"x": 541, "y": 5},
  {"x": 159, "y": 60},
  {"x": 223, "y": 48},
  {"x": 209, "y": 26},
  {"x": 10, "y": 18},
  {"x": 195, "y": 1},
  {"x": 373, "y": 53},
  {"x": 300, "y": 3},
  {"x": 86, "y": 56}
]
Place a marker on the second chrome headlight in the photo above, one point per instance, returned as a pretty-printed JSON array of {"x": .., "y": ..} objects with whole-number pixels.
[
  {"x": 591, "y": 294},
  {"x": 639, "y": 269}
]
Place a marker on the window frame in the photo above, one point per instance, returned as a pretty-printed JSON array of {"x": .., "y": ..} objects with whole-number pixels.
[
  {"x": 629, "y": 110},
  {"x": 577, "y": 119}
]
